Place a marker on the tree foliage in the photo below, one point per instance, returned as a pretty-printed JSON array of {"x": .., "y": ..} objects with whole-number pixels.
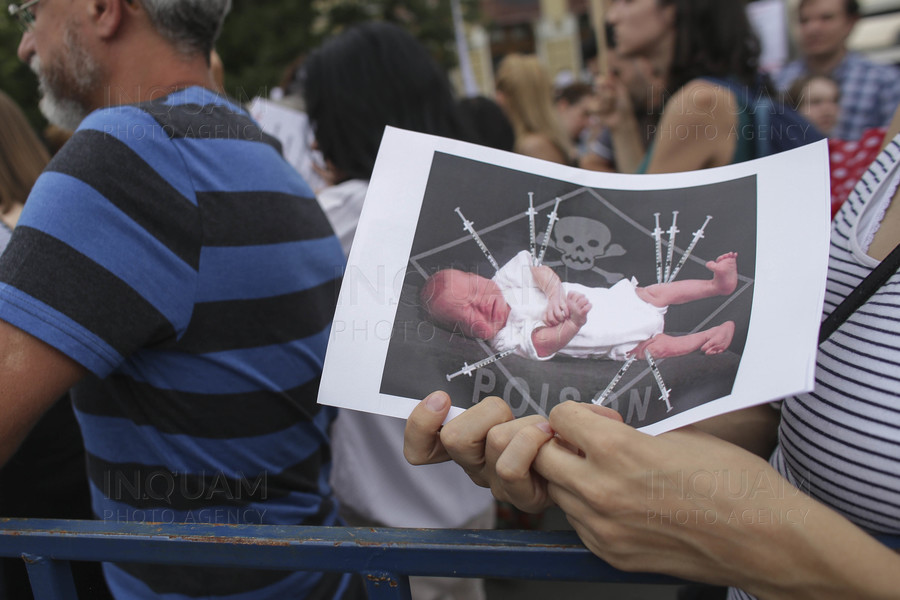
[
  {"x": 16, "y": 79},
  {"x": 262, "y": 39}
]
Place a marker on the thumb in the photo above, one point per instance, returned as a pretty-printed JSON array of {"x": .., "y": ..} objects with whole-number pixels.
[{"x": 422, "y": 437}]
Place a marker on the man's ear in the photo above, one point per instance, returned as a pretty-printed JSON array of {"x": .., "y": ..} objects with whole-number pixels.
[{"x": 106, "y": 16}]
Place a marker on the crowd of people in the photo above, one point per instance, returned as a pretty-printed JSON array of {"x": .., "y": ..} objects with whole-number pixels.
[{"x": 167, "y": 286}]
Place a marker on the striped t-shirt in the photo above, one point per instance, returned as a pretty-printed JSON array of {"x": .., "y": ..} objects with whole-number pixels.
[
  {"x": 841, "y": 443},
  {"x": 171, "y": 251}
]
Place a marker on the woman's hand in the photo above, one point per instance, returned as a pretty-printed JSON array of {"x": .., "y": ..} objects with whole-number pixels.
[
  {"x": 493, "y": 447},
  {"x": 690, "y": 505}
]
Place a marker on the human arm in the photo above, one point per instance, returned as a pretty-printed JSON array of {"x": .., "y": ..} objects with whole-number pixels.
[
  {"x": 33, "y": 375},
  {"x": 595, "y": 162},
  {"x": 617, "y": 114},
  {"x": 550, "y": 340},
  {"x": 549, "y": 282},
  {"x": 693, "y": 506},
  {"x": 754, "y": 429},
  {"x": 888, "y": 235},
  {"x": 698, "y": 129},
  {"x": 540, "y": 146}
]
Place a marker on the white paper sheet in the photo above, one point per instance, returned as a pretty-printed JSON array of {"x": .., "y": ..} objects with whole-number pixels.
[{"x": 384, "y": 354}]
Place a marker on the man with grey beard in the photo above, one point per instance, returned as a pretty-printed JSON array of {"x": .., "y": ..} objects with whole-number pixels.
[{"x": 178, "y": 275}]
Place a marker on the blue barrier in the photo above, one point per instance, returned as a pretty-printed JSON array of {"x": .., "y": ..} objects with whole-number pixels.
[{"x": 385, "y": 557}]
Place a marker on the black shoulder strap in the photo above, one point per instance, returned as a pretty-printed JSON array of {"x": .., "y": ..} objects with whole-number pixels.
[{"x": 868, "y": 286}]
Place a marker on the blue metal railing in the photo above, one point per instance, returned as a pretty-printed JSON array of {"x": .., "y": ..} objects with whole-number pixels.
[{"x": 385, "y": 557}]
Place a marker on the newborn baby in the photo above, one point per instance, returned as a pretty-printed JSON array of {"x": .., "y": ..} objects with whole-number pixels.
[{"x": 529, "y": 310}]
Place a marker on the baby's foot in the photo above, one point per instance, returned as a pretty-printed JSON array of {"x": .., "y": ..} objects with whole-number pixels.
[
  {"x": 724, "y": 270},
  {"x": 719, "y": 338}
]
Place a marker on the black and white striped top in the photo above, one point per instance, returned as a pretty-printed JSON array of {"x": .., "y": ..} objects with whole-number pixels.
[{"x": 841, "y": 443}]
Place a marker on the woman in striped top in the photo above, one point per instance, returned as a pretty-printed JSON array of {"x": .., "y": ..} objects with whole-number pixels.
[{"x": 687, "y": 503}]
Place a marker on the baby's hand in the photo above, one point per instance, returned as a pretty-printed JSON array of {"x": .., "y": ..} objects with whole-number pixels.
[
  {"x": 557, "y": 309},
  {"x": 579, "y": 307}
]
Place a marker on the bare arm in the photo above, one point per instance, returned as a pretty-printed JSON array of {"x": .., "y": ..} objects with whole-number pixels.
[
  {"x": 754, "y": 429},
  {"x": 617, "y": 114},
  {"x": 671, "y": 504},
  {"x": 697, "y": 129},
  {"x": 550, "y": 340},
  {"x": 594, "y": 162},
  {"x": 549, "y": 282},
  {"x": 539, "y": 146},
  {"x": 33, "y": 375},
  {"x": 888, "y": 234}
]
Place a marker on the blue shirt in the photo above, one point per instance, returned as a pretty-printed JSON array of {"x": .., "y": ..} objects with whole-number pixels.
[
  {"x": 171, "y": 251},
  {"x": 870, "y": 93}
]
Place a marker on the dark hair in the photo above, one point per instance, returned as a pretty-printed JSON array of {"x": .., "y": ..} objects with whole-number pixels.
[
  {"x": 488, "y": 123},
  {"x": 370, "y": 76},
  {"x": 574, "y": 92},
  {"x": 713, "y": 38},
  {"x": 793, "y": 96},
  {"x": 851, "y": 7}
]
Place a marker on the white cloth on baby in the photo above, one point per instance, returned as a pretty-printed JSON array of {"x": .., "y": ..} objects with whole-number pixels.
[{"x": 618, "y": 321}]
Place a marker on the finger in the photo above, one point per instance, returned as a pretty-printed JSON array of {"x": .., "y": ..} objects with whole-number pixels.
[
  {"x": 557, "y": 462},
  {"x": 579, "y": 424},
  {"x": 512, "y": 452},
  {"x": 421, "y": 439},
  {"x": 639, "y": 349},
  {"x": 465, "y": 437},
  {"x": 520, "y": 484}
]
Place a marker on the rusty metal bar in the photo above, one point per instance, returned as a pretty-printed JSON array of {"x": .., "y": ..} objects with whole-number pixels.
[
  {"x": 514, "y": 554},
  {"x": 387, "y": 586},
  {"x": 385, "y": 557}
]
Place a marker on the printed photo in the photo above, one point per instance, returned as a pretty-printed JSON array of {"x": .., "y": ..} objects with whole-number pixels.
[
  {"x": 669, "y": 298},
  {"x": 540, "y": 291}
]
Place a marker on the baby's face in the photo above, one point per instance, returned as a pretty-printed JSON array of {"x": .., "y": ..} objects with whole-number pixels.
[{"x": 475, "y": 303}]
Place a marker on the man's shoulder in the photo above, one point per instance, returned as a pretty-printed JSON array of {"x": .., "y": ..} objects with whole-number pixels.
[
  {"x": 191, "y": 113},
  {"x": 859, "y": 66}
]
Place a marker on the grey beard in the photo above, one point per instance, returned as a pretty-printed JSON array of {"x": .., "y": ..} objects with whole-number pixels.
[{"x": 61, "y": 100}]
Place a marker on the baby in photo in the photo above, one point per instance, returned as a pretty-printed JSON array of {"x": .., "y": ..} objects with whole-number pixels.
[{"x": 529, "y": 310}]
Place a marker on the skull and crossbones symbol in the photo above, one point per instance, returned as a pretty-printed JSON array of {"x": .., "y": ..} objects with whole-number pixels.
[{"x": 581, "y": 242}]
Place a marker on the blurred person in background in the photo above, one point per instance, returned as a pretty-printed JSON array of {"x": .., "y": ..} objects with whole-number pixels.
[
  {"x": 525, "y": 92},
  {"x": 22, "y": 159},
  {"x": 701, "y": 123},
  {"x": 817, "y": 97},
  {"x": 371, "y": 76},
  {"x": 638, "y": 106},
  {"x": 576, "y": 106},
  {"x": 487, "y": 122},
  {"x": 869, "y": 91}
]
